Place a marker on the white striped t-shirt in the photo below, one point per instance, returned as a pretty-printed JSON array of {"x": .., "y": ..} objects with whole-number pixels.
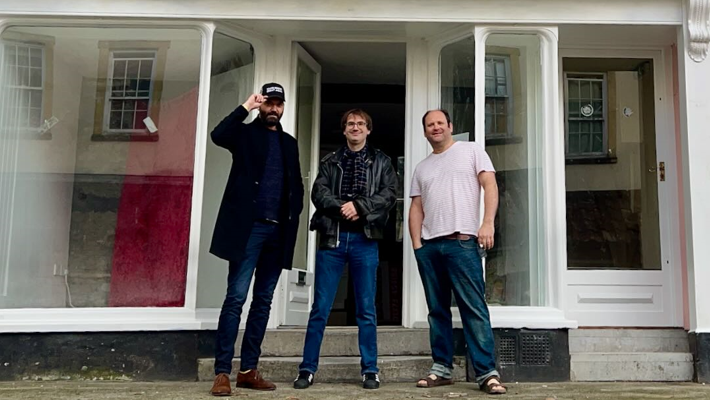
[{"x": 450, "y": 190}]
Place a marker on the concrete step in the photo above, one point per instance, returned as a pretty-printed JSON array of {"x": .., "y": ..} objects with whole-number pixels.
[
  {"x": 338, "y": 369},
  {"x": 628, "y": 341},
  {"x": 619, "y": 366},
  {"x": 342, "y": 342}
]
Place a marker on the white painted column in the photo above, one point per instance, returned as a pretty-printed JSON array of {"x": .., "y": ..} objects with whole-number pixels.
[
  {"x": 694, "y": 84},
  {"x": 281, "y": 69},
  {"x": 414, "y": 308}
]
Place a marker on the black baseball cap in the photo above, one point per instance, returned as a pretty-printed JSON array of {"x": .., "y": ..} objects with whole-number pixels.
[{"x": 273, "y": 90}]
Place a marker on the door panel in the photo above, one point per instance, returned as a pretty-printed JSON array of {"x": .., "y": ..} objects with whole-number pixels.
[
  {"x": 618, "y": 262},
  {"x": 299, "y": 286}
]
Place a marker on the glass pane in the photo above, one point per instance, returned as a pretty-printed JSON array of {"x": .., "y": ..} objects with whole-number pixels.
[
  {"x": 36, "y": 99},
  {"x": 515, "y": 266},
  {"x": 23, "y": 76},
  {"x": 457, "y": 96},
  {"x": 117, "y": 87},
  {"x": 36, "y": 57},
  {"x": 573, "y": 89},
  {"x": 598, "y": 109},
  {"x": 127, "y": 120},
  {"x": 585, "y": 90},
  {"x": 115, "y": 117},
  {"x": 131, "y": 87},
  {"x": 584, "y": 143},
  {"x": 584, "y": 126},
  {"x": 119, "y": 69},
  {"x": 573, "y": 143},
  {"x": 36, "y": 77},
  {"x": 231, "y": 82},
  {"x": 305, "y": 109},
  {"x": 598, "y": 143},
  {"x": 97, "y": 224},
  {"x": 612, "y": 208},
  {"x": 23, "y": 56},
  {"x": 596, "y": 126},
  {"x": 597, "y": 90},
  {"x": 132, "y": 69},
  {"x": 146, "y": 69}
]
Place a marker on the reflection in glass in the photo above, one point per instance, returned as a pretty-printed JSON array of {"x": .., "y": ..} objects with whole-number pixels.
[
  {"x": 457, "y": 71},
  {"x": 514, "y": 267},
  {"x": 305, "y": 123},
  {"x": 90, "y": 216},
  {"x": 231, "y": 82},
  {"x": 513, "y": 139}
]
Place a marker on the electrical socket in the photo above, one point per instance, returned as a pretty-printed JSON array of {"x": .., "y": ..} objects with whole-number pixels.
[{"x": 59, "y": 270}]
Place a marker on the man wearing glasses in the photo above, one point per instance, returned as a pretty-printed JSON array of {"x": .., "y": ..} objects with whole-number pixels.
[{"x": 353, "y": 194}]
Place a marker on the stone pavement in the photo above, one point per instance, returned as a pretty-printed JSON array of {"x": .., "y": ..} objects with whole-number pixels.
[{"x": 93, "y": 390}]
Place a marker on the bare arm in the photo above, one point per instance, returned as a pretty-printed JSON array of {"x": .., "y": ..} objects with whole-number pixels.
[
  {"x": 490, "y": 206},
  {"x": 416, "y": 218}
]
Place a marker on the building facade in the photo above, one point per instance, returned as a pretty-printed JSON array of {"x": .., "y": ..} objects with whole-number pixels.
[{"x": 594, "y": 115}]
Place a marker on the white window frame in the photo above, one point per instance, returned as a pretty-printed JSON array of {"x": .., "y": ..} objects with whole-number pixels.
[
  {"x": 30, "y": 89},
  {"x": 136, "y": 318},
  {"x": 550, "y": 314},
  {"x": 109, "y": 88},
  {"x": 593, "y": 76}
]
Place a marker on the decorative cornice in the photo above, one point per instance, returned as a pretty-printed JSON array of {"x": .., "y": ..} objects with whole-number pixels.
[{"x": 698, "y": 29}]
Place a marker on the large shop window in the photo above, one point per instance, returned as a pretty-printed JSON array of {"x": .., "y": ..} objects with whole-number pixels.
[
  {"x": 87, "y": 222},
  {"x": 513, "y": 139}
]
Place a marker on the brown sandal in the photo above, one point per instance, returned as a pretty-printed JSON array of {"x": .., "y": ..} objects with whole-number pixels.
[
  {"x": 493, "y": 388},
  {"x": 438, "y": 381}
]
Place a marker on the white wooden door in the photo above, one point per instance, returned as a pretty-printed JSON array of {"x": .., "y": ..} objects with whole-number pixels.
[
  {"x": 299, "y": 285},
  {"x": 633, "y": 279}
]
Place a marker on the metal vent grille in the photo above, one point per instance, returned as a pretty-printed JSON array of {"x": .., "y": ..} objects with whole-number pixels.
[
  {"x": 506, "y": 350},
  {"x": 535, "y": 350}
]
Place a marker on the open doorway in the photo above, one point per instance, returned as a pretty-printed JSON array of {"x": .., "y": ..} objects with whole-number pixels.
[{"x": 369, "y": 76}]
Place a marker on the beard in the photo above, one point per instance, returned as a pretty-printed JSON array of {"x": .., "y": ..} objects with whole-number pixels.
[{"x": 270, "y": 119}]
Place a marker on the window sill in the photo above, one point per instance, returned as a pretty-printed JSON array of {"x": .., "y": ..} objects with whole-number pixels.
[
  {"x": 499, "y": 141},
  {"x": 125, "y": 137},
  {"x": 591, "y": 160},
  {"x": 38, "y": 136}
]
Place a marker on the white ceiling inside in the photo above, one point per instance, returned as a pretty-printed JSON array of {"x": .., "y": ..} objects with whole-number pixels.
[{"x": 357, "y": 63}]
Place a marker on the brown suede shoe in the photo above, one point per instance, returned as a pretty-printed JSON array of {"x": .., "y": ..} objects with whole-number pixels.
[
  {"x": 253, "y": 380},
  {"x": 221, "y": 386}
]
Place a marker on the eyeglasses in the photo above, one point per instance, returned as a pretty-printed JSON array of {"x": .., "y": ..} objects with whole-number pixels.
[{"x": 352, "y": 124}]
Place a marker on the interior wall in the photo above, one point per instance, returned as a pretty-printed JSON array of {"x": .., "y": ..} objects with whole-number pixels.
[
  {"x": 625, "y": 174},
  {"x": 613, "y": 215}
]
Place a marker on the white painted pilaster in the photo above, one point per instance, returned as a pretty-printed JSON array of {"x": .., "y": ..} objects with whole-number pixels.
[
  {"x": 694, "y": 85},
  {"x": 415, "y": 144}
]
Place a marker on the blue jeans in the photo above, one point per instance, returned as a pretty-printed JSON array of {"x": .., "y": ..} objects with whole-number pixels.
[
  {"x": 261, "y": 254},
  {"x": 361, "y": 254},
  {"x": 455, "y": 265}
]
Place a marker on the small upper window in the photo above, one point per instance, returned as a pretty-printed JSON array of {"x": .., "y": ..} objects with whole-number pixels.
[
  {"x": 498, "y": 97},
  {"x": 128, "y": 96},
  {"x": 586, "y": 130},
  {"x": 129, "y": 89},
  {"x": 23, "y": 69}
]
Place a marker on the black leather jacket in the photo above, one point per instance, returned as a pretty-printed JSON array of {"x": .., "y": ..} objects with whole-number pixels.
[{"x": 374, "y": 208}]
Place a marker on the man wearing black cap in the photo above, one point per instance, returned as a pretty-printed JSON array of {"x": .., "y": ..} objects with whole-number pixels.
[{"x": 256, "y": 228}]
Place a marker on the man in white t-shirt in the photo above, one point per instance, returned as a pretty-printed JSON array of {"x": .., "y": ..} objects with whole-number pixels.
[{"x": 449, "y": 240}]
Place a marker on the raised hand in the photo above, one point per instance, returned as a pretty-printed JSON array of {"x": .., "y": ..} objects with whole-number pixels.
[{"x": 254, "y": 101}]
